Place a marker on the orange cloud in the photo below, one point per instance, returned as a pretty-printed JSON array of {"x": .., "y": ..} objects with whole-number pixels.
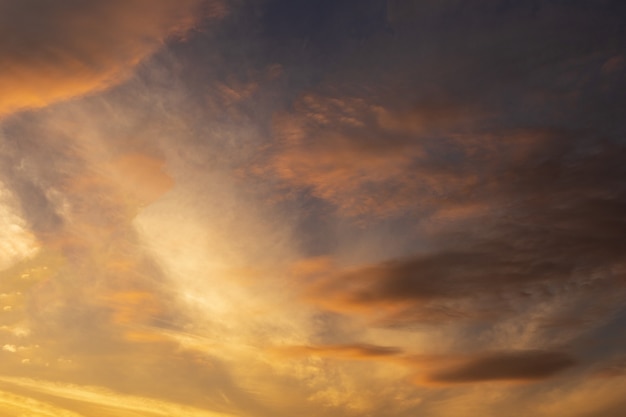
[
  {"x": 368, "y": 159},
  {"x": 331, "y": 148},
  {"x": 52, "y": 51},
  {"x": 141, "y": 177}
]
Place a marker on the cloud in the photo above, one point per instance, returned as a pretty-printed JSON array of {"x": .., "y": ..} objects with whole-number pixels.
[
  {"x": 104, "y": 397},
  {"x": 357, "y": 351},
  {"x": 141, "y": 177},
  {"x": 488, "y": 196},
  {"x": 548, "y": 219},
  {"x": 446, "y": 369},
  {"x": 615, "y": 368},
  {"x": 488, "y": 145},
  {"x": 457, "y": 108},
  {"x": 14, "y": 404},
  {"x": 362, "y": 157},
  {"x": 16, "y": 241},
  {"x": 52, "y": 51},
  {"x": 504, "y": 366},
  {"x": 585, "y": 397}
]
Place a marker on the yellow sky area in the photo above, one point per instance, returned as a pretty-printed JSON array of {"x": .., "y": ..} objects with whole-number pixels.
[
  {"x": 105, "y": 402},
  {"x": 237, "y": 314},
  {"x": 17, "y": 405},
  {"x": 225, "y": 301},
  {"x": 222, "y": 260},
  {"x": 16, "y": 241}
]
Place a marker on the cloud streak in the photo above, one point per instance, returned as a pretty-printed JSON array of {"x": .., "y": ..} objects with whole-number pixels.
[
  {"x": 57, "y": 51},
  {"x": 349, "y": 351}
]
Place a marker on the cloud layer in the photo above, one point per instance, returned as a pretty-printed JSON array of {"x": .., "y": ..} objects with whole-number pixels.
[{"x": 347, "y": 208}]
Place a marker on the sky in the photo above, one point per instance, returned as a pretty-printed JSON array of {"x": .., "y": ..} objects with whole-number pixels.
[{"x": 347, "y": 208}]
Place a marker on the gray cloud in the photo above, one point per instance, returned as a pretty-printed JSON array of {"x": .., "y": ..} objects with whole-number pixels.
[{"x": 515, "y": 366}]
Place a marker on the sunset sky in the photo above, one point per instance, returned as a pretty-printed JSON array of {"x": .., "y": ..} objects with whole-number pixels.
[{"x": 305, "y": 208}]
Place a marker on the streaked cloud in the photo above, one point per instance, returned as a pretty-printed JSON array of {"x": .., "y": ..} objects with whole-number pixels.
[
  {"x": 351, "y": 351},
  {"x": 56, "y": 51}
]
